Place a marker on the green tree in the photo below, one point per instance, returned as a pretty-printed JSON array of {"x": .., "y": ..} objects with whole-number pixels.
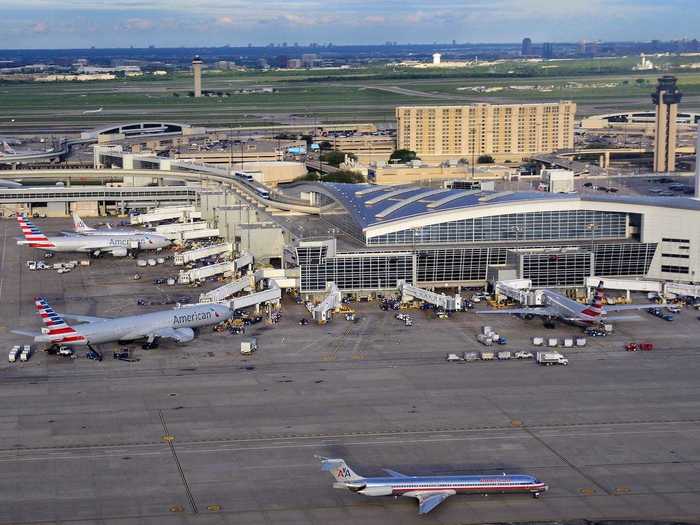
[
  {"x": 485, "y": 159},
  {"x": 347, "y": 176},
  {"x": 403, "y": 156},
  {"x": 335, "y": 158}
]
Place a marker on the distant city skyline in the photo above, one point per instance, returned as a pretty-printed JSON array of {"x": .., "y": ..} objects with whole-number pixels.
[{"x": 172, "y": 23}]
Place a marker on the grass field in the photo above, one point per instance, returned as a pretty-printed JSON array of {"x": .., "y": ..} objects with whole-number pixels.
[{"x": 368, "y": 94}]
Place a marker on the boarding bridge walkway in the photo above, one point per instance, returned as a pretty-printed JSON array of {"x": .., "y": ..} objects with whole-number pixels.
[
  {"x": 272, "y": 294},
  {"x": 247, "y": 282},
  {"x": 190, "y": 276},
  {"x": 409, "y": 292},
  {"x": 202, "y": 253},
  {"x": 184, "y": 213},
  {"x": 333, "y": 300},
  {"x": 179, "y": 227}
]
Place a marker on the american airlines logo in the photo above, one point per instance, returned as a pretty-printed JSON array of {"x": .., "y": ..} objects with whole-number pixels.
[
  {"x": 189, "y": 318},
  {"x": 343, "y": 472}
]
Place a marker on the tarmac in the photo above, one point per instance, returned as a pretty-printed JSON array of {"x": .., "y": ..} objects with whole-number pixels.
[{"x": 199, "y": 434}]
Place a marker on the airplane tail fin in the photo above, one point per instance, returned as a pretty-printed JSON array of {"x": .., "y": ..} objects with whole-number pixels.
[
  {"x": 56, "y": 330},
  {"x": 339, "y": 469},
  {"x": 595, "y": 309},
  {"x": 7, "y": 148},
  {"x": 33, "y": 236},
  {"x": 79, "y": 225}
]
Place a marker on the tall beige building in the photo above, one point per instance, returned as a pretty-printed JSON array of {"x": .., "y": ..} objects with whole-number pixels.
[
  {"x": 666, "y": 99},
  {"x": 197, "y": 73},
  {"x": 506, "y": 132}
]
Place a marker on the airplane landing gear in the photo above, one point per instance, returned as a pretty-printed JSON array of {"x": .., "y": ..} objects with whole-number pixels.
[{"x": 536, "y": 495}]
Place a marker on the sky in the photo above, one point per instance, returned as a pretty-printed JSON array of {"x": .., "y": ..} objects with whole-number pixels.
[{"x": 192, "y": 23}]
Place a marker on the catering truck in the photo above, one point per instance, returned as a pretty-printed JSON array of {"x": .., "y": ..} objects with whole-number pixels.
[{"x": 551, "y": 358}]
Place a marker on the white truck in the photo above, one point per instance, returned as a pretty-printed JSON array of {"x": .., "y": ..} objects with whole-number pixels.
[
  {"x": 249, "y": 345},
  {"x": 454, "y": 358},
  {"x": 14, "y": 354},
  {"x": 551, "y": 358},
  {"x": 26, "y": 353}
]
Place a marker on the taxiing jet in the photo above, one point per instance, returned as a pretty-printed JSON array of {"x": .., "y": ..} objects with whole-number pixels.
[
  {"x": 429, "y": 490},
  {"x": 177, "y": 324},
  {"x": 557, "y": 306},
  {"x": 81, "y": 228},
  {"x": 88, "y": 111},
  {"x": 117, "y": 245}
]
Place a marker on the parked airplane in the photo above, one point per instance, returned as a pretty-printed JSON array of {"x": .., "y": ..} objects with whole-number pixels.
[
  {"x": 177, "y": 324},
  {"x": 429, "y": 490},
  {"x": 559, "y": 306},
  {"x": 117, "y": 245},
  {"x": 83, "y": 229}
]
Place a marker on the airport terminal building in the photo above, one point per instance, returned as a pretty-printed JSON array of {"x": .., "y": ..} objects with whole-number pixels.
[{"x": 436, "y": 238}]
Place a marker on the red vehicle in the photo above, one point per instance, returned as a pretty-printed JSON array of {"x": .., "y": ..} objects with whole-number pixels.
[{"x": 645, "y": 347}]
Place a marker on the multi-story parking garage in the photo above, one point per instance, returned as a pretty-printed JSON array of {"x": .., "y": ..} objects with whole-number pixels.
[{"x": 446, "y": 238}]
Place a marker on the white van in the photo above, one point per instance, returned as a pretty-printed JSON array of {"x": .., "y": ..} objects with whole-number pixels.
[
  {"x": 26, "y": 353},
  {"x": 14, "y": 352}
]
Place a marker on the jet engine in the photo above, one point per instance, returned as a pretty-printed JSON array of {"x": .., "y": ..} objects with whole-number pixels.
[{"x": 119, "y": 252}]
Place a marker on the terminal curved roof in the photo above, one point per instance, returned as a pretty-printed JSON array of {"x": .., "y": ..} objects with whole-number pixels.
[{"x": 371, "y": 205}]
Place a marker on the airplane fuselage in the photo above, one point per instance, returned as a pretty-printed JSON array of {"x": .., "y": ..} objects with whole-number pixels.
[
  {"x": 394, "y": 486},
  {"x": 103, "y": 242},
  {"x": 135, "y": 327}
]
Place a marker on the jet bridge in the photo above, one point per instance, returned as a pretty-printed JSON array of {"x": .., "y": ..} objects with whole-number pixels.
[
  {"x": 193, "y": 235},
  {"x": 333, "y": 300},
  {"x": 247, "y": 282},
  {"x": 203, "y": 253},
  {"x": 519, "y": 290},
  {"x": 272, "y": 294},
  {"x": 183, "y": 213},
  {"x": 446, "y": 302},
  {"x": 174, "y": 229},
  {"x": 190, "y": 276}
]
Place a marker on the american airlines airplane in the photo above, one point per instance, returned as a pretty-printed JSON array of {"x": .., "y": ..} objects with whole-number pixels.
[
  {"x": 429, "y": 490},
  {"x": 117, "y": 245},
  {"x": 561, "y": 307},
  {"x": 176, "y": 324}
]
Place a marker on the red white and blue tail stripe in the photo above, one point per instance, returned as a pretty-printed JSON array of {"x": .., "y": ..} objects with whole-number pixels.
[
  {"x": 596, "y": 307},
  {"x": 58, "y": 330},
  {"x": 33, "y": 236}
]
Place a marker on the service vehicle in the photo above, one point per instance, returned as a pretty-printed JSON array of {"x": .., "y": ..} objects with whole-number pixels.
[
  {"x": 249, "y": 345},
  {"x": 454, "y": 358},
  {"x": 26, "y": 353},
  {"x": 14, "y": 353},
  {"x": 551, "y": 358},
  {"x": 503, "y": 356},
  {"x": 471, "y": 356},
  {"x": 523, "y": 354},
  {"x": 488, "y": 356}
]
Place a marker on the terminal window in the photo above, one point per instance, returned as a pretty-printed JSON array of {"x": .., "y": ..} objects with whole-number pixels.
[{"x": 674, "y": 269}]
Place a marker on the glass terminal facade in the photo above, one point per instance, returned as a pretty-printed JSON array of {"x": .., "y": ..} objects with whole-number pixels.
[
  {"x": 468, "y": 265},
  {"x": 567, "y": 225}
]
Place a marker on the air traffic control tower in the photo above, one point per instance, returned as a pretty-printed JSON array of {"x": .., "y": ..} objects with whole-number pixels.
[
  {"x": 197, "y": 73},
  {"x": 666, "y": 99}
]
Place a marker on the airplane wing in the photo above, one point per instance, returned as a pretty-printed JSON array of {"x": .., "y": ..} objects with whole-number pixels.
[
  {"x": 84, "y": 318},
  {"x": 181, "y": 335},
  {"x": 427, "y": 501},
  {"x": 395, "y": 474},
  {"x": 621, "y": 307},
  {"x": 24, "y": 332},
  {"x": 622, "y": 318},
  {"x": 545, "y": 311}
]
